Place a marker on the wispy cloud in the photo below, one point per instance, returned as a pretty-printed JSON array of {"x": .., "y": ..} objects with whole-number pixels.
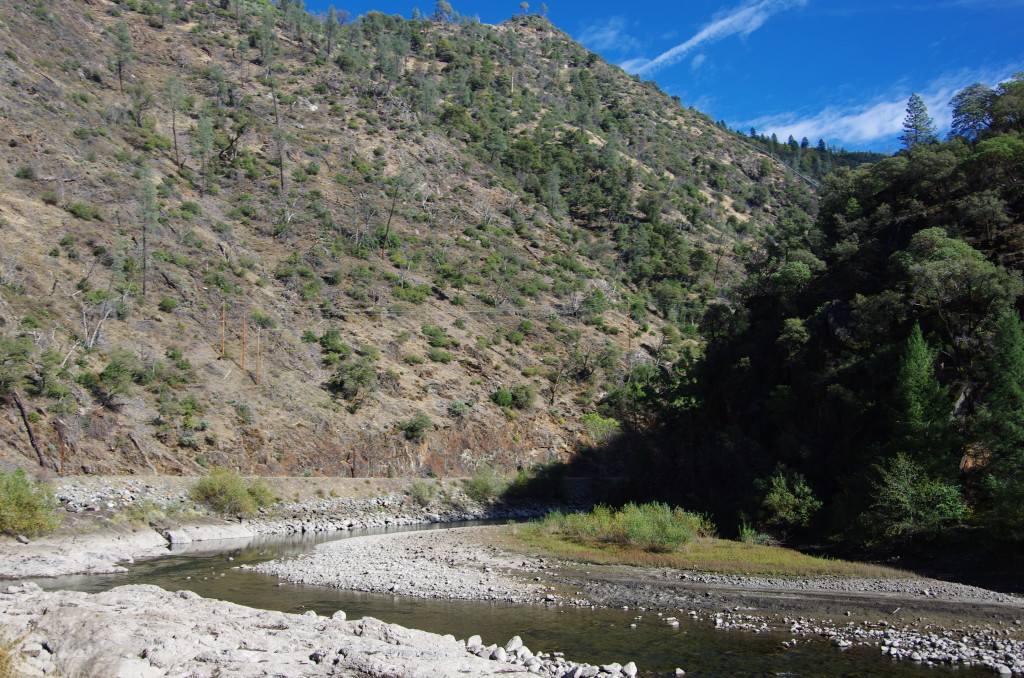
[
  {"x": 742, "y": 20},
  {"x": 610, "y": 34},
  {"x": 877, "y": 121}
]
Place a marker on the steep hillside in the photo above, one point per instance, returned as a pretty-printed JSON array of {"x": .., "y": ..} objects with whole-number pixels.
[{"x": 234, "y": 233}]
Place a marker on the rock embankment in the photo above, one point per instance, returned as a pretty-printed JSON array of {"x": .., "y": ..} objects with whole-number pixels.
[{"x": 146, "y": 632}]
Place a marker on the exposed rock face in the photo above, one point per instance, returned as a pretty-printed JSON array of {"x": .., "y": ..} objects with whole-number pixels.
[{"x": 146, "y": 632}]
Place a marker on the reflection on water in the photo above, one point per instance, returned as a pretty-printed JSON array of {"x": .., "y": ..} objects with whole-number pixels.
[{"x": 593, "y": 636}]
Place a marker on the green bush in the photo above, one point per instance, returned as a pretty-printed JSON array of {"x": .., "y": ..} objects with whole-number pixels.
[
  {"x": 522, "y": 396},
  {"x": 423, "y": 492},
  {"x": 226, "y": 492},
  {"x": 502, "y": 397},
  {"x": 654, "y": 527},
  {"x": 26, "y": 172},
  {"x": 788, "y": 501},
  {"x": 168, "y": 304},
  {"x": 440, "y": 355},
  {"x": 485, "y": 485},
  {"x": 908, "y": 503},
  {"x": 86, "y": 212},
  {"x": 353, "y": 377},
  {"x": 26, "y": 506},
  {"x": 416, "y": 428}
]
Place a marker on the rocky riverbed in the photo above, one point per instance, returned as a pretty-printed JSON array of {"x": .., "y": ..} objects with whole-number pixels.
[
  {"x": 913, "y": 619},
  {"x": 146, "y": 632},
  {"x": 110, "y": 522}
]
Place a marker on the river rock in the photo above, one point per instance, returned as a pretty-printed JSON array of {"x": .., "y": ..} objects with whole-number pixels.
[{"x": 143, "y": 631}]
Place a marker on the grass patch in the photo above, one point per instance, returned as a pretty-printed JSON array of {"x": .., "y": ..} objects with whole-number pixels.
[
  {"x": 226, "y": 492},
  {"x": 26, "y": 506},
  {"x": 702, "y": 553}
]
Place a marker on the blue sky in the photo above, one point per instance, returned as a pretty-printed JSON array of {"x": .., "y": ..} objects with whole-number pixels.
[{"x": 840, "y": 70}]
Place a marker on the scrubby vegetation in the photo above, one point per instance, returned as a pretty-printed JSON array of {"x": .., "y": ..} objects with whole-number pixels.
[
  {"x": 653, "y": 527},
  {"x": 226, "y": 492},
  {"x": 27, "y": 507}
]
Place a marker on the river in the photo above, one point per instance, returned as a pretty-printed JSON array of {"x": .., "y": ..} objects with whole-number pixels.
[{"x": 592, "y": 636}]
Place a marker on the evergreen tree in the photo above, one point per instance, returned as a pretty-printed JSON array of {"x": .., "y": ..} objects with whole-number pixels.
[
  {"x": 174, "y": 97},
  {"x": 1004, "y": 403},
  {"x": 124, "y": 51},
  {"x": 918, "y": 126},
  {"x": 1003, "y": 432},
  {"x": 923, "y": 427},
  {"x": 331, "y": 29}
]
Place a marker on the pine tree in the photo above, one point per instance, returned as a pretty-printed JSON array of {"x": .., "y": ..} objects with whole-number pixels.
[
  {"x": 124, "y": 51},
  {"x": 918, "y": 126},
  {"x": 1004, "y": 403},
  {"x": 1003, "y": 429},
  {"x": 923, "y": 427},
  {"x": 331, "y": 29}
]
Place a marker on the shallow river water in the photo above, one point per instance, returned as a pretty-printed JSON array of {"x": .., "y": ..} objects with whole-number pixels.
[{"x": 592, "y": 636}]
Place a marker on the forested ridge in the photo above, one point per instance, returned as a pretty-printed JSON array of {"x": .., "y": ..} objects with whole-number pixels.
[{"x": 867, "y": 381}]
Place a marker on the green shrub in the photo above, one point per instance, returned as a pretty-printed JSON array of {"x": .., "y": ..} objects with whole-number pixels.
[
  {"x": 908, "y": 503},
  {"x": 600, "y": 429},
  {"x": 86, "y": 212},
  {"x": 750, "y": 535},
  {"x": 523, "y": 396},
  {"x": 226, "y": 492},
  {"x": 439, "y": 355},
  {"x": 416, "y": 428},
  {"x": 26, "y": 172},
  {"x": 788, "y": 501},
  {"x": 26, "y": 506},
  {"x": 168, "y": 304},
  {"x": 502, "y": 397},
  {"x": 263, "y": 320},
  {"x": 485, "y": 485},
  {"x": 423, "y": 492},
  {"x": 353, "y": 377},
  {"x": 653, "y": 527}
]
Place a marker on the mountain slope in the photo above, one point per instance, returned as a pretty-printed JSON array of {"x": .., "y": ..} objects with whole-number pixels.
[{"x": 381, "y": 247}]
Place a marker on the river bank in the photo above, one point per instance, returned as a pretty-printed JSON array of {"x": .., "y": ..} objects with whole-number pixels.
[
  {"x": 914, "y": 619},
  {"x": 109, "y": 522}
]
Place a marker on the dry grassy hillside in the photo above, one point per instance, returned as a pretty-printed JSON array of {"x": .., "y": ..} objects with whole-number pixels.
[{"x": 287, "y": 250}]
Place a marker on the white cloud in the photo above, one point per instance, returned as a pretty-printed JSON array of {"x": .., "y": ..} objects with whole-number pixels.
[
  {"x": 698, "y": 60},
  {"x": 742, "y": 20},
  {"x": 879, "y": 120},
  {"x": 608, "y": 35}
]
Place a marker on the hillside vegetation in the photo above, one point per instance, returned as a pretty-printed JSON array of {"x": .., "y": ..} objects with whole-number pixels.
[
  {"x": 867, "y": 380},
  {"x": 233, "y": 233}
]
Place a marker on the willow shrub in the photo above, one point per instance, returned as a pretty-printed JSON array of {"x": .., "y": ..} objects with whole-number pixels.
[
  {"x": 26, "y": 506},
  {"x": 653, "y": 527}
]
